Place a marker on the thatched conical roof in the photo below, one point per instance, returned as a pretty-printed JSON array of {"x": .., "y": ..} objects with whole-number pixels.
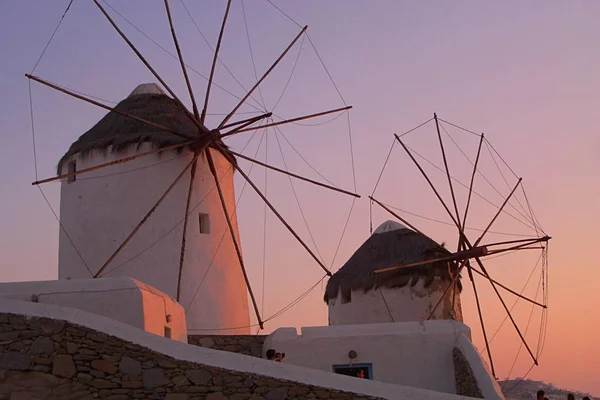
[
  {"x": 118, "y": 132},
  {"x": 390, "y": 245}
]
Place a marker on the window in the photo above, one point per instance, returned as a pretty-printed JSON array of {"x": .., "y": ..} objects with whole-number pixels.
[
  {"x": 204, "y": 223},
  {"x": 355, "y": 370},
  {"x": 72, "y": 170},
  {"x": 167, "y": 332}
]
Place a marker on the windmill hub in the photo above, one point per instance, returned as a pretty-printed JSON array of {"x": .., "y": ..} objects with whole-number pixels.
[{"x": 204, "y": 140}]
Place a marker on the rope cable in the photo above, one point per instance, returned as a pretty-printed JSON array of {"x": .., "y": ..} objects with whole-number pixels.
[
  {"x": 484, "y": 177},
  {"x": 487, "y": 146},
  {"x": 35, "y": 164},
  {"x": 526, "y": 329},
  {"x": 326, "y": 69},
  {"x": 252, "y": 55},
  {"x": 296, "y": 196},
  {"x": 286, "y": 15},
  {"x": 466, "y": 187},
  {"x": 515, "y": 302},
  {"x": 175, "y": 57},
  {"x": 264, "y": 261},
  {"x": 452, "y": 224},
  {"x": 52, "y": 36},
  {"x": 291, "y": 74},
  {"x": 304, "y": 159},
  {"x": 218, "y": 58}
]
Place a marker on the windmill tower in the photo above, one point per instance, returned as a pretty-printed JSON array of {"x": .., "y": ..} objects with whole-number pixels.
[
  {"x": 164, "y": 210},
  {"x": 355, "y": 294},
  {"x": 202, "y": 273}
]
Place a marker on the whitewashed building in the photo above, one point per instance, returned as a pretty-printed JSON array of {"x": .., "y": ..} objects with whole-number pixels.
[
  {"x": 99, "y": 209},
  {"x": 386, "y": 327}
]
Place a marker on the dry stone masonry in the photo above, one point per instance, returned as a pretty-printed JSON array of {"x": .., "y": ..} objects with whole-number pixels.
[
  {"x": 250, "y": 345},
  {"x": 47, "y": 359},
  {"x": 466, "y": 383}
]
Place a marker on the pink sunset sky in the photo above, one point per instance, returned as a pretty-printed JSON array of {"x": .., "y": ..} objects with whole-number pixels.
[{"x": 526, "y": 74}]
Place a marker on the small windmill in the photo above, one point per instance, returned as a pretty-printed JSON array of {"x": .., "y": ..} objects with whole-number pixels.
[
  {"x": 469, "y": 250},
  {"x": 202, "y": 142}
]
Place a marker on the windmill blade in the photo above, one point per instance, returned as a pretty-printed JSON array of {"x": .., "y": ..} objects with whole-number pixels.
[
  {"x": 498, "y": 213},
  {"x": 243, "y": 100},
  {"x": 147, "y": 64},
  {"x": 432, "y": 186},
  {"x": 294, "y": 175},
  {"x": 487, "y": 275},
  {"x": 283, "y": 221},
  {"x": 180, "y": 56},
  {"x": 108, "y": 164},
  {"x": 479, "y": 312},
  {"x": 510, "y": 290},
  {"x": 232, "y": 232},
  {"x": 464, "y": 223},
  {"x": 124, "y": 114},
  {"x": 244, "y": 123},
  {"x": 214, "y": 63},
  {"x": 185, "y": 222},
  {"x": 289, "y": 121},
  {"x": 437, "y": 126},
  {"x": 148, "y": 214}
]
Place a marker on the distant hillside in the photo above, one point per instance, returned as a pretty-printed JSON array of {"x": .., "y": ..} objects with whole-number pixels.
[{"x": 527, "y": 389}]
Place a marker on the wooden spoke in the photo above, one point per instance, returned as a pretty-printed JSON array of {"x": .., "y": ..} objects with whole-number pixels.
[
  {"x": 185, "y": 222},
  {"x": 185, "y": 74},
  {"x": 228, "y": 117},
  {"x": 232, "y": 232},
  {"x": 288, "y": 121},
  {"x": 214, "y": 63},
  {"x": 148, "y": 214},
  {"x": 147, "y": 64},
  {"x": 431, "y": 185},
  {"x": 108, "y": 164},
  {"x": 244, "y": 122},
  {"x": 94, "y": 102},
  {"x": 283, "y": 221},
  {"x": 498, "y": 213},
  {"x": 437, "y": 126},
  {"x": 293, "y": 175},
  {"x": 458, "y": 256},
  {"x": 528, "y": 241},
  {"x": 510, "y": 290},
  {"x": 472, "y": 181},
  {"x": 487, "y": 342},
  {"x": 492, "y": 282},
  {"x": 404, "y": 221}
]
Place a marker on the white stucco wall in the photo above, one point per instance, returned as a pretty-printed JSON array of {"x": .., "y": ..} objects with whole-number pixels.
[
  {"x": 98, "y": 212},
  {"x": 223, "y": 359},
  {"x": 122, "y": 299},
  {"x": 408, "y": 303},
  {"x": 404, "y": 353}
]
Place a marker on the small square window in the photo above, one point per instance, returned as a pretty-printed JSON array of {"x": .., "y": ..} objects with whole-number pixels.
[
  {"x": 167, "y": 332},
  {"x": 72, "y": 170},
  {"x": 204, "y": 223}
]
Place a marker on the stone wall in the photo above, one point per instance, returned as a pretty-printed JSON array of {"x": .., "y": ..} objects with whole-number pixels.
[
  {"x": 466, "y": 383},
  {"x": 42, "y": 358},
  {"x": 250, "y": 345}
]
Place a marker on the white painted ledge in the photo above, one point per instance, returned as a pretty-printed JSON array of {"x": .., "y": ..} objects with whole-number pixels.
[
  {"x": 221, "y": 359},
  {"x": 488, "y": 385}
]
